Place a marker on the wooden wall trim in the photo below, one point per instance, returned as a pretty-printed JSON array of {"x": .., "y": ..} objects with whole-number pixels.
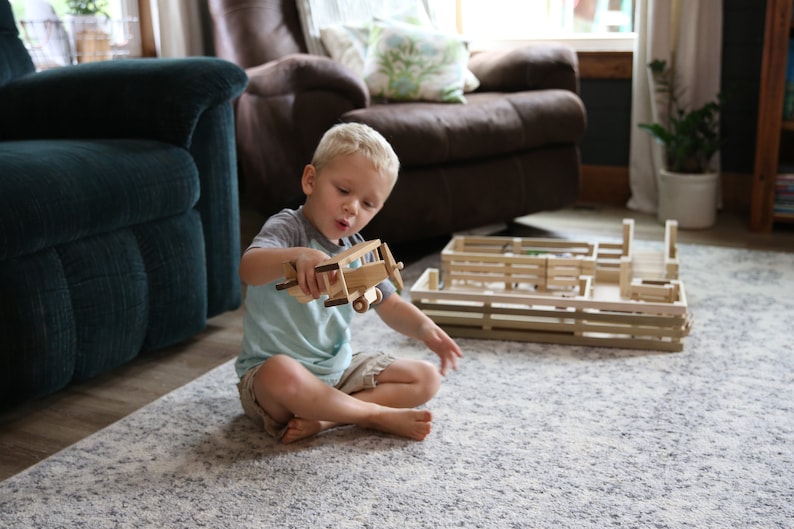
[
  {"x": 148, "y": 46},
  {"x": 605, "y": 64}
]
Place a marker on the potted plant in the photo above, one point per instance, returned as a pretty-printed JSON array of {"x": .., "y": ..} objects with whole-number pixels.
[
  {"x": 89, "y": 25},
  {"x": 687, "y": 183}
]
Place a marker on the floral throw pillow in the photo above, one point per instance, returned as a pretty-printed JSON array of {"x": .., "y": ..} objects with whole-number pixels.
[
  {"x": 411, "y": 63},
  {"x": 347, "y": 43}
]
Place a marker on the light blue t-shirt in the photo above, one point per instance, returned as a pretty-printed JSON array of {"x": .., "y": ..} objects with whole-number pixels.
[{"x": 276, "y": 323}]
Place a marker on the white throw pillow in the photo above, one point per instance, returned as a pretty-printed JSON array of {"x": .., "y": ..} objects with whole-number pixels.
[{"x": 412, "y": 63}]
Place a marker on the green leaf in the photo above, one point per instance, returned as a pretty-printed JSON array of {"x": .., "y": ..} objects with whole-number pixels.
[{"x": 691, "y": 137}]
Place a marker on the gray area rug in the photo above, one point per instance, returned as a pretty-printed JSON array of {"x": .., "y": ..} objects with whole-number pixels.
[{"x": 525, "y": 435}]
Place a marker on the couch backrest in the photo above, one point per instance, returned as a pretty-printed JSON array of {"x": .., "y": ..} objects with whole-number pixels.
[
  {"x": 253, "y": 32},
  {"x": 14, "y": 58}
]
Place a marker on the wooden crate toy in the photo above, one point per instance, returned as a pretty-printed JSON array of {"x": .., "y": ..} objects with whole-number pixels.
[
  {"x": 348, "y": 277},
  {"x": 556, "y": 291}
]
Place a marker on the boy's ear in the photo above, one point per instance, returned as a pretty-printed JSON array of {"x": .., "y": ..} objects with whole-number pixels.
[{"x": 308, "y": 179}]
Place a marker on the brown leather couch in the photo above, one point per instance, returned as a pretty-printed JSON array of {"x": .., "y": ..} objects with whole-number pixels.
[{"x": 511, "y": 150}]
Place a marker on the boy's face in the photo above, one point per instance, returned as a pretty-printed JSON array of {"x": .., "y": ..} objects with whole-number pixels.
[{"x": 343, "y": 197}]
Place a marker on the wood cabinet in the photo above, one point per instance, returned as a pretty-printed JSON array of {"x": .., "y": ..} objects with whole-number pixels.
[{"x": 775, "y": 136}]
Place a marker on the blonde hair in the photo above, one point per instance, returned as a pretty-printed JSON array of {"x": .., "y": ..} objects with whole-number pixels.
[{"x": 356, "y": 138}]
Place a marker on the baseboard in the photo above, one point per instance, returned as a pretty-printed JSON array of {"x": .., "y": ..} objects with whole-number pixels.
[{"x": 608, "y": 185}]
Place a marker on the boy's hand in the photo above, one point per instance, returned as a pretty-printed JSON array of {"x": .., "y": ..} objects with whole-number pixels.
[
  {"x": 307, "y": 278},
  {"x": 408, "y": 319},
  {"x": 440, "y": 343}
]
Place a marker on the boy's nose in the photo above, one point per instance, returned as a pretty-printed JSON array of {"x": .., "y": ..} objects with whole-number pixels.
[{"x": 351, "y": 206}]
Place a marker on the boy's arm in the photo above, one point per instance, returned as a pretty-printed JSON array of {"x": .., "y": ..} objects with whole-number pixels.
[
  {"x": 260, "y": 266},
  {"x": 405, "y": 318}
]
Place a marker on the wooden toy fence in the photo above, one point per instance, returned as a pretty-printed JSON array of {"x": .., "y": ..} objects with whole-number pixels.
[{"x": 556, "y": 291}]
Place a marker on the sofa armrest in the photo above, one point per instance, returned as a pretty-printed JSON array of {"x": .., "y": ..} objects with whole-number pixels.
[
  {"x": 288, "y": 105},
  {"x": 301, "y": 73},
  {"x": 158, "y": 99},
  {"x": 533, "y": 67}
]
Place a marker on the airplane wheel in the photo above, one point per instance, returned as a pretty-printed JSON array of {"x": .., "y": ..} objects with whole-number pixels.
[{"x": 361, "y": 305}]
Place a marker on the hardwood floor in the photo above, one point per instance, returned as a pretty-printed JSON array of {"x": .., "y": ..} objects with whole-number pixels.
[
  {"x": 731, "y": 229},
  {"x": 33, "y": 431}
]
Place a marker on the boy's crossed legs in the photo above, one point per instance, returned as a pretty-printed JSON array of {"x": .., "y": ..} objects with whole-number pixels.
[{"x": 289, "y": 394}]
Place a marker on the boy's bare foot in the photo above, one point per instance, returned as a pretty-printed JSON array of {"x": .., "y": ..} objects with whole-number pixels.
[
  {"x": 298, "y": 429},
  {"x": 410, "y": 423},
  {"x": 405, "y": 422}
]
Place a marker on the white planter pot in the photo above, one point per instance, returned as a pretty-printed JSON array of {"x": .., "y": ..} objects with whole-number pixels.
[{"x": 690, "y": 199}]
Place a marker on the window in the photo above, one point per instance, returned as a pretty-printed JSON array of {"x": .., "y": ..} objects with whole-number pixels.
[
  {"x": 55, "y": 38},
  {"x": 115, "y": 8},
  {"x": 587, "y": 25}
]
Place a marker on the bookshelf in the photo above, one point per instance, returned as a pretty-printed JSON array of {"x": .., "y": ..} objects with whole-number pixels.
[{"x": 773, "y": 130}]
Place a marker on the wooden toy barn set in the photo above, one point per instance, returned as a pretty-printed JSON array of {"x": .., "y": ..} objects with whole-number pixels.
[{"x": 557, "y": 291}]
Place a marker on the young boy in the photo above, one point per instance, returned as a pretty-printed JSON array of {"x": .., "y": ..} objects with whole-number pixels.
[{"x": 298, "y": 374}]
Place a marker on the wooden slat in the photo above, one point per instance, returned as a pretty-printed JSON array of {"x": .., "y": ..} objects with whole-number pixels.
[
  {"x": 546, "y": 301},
  {"x": 678, "y": 321},
  {"x": 539, "y": 337}
]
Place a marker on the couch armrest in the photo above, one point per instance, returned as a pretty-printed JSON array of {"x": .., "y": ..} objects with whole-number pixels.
[
  {"x": 526, "y": 68},
  {"x": 288, "y": 105},
  {"x": 300, "y": 73},
  {"x": 158, "y": 99}
]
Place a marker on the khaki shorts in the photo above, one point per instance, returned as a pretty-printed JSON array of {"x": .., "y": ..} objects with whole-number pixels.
[{"x": 359, "y": 376}]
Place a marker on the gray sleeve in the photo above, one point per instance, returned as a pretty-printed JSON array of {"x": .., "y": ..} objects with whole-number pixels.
[
  {"x": 282, "y": 230},
  {"x": 386, "y": 288}
]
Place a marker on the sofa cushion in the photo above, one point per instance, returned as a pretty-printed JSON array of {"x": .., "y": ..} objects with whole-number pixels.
[
  {"x": 490, "y": 124},
  {"x": 72, "y": 311},
  {"x": 60, "y": 191}
]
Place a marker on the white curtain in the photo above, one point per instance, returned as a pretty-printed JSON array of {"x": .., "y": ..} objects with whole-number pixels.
[
  {"x": 177, "y": 27},
  {"x": 688, "y": 32}
]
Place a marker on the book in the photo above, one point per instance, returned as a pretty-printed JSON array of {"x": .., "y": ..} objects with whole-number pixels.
[{"x": 784, "y": 191}]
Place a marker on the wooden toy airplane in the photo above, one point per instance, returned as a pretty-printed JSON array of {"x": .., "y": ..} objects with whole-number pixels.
[{"x": 355, "y": 285}]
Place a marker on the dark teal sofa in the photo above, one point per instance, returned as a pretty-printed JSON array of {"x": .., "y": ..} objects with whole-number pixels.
[{"x": 119, "y": 219}]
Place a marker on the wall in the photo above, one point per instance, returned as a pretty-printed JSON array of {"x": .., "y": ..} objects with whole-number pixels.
[
  {"x": 743, "y": 41},
  {"x": 608, "y": 104}
]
